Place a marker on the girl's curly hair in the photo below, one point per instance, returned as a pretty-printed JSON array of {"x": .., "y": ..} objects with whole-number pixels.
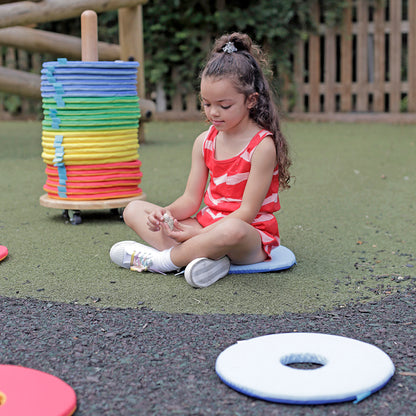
[{"x": 247, "y": 67}]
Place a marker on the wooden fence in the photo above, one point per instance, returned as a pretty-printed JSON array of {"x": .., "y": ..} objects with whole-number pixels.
[
  {"x": 364, "y": 68},
  {"x": 366, "y": 65}
]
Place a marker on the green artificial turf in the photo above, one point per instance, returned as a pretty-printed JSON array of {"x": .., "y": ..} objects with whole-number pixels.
[{"x": 349, "y": 218}]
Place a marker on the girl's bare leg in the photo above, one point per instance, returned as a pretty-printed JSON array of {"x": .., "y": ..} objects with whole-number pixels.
[
  {"x": 232, "y": 237},
  {"x": 235, "y": 238}
]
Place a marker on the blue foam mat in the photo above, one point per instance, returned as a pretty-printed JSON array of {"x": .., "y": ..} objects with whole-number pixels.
[
  {"x": 64, "y": 63},
  {"x": 89, "y": 94},
  {"x": 282, "y": 258}
]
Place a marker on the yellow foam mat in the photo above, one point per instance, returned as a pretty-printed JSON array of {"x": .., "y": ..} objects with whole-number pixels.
[{"x": 83, "y": 147}]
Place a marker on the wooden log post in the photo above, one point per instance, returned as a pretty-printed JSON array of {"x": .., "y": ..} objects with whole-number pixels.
[
  {"x": 89, "y": 36},
  {"x": 23, "y": 65},
  {"x": 130, "y": 22}
]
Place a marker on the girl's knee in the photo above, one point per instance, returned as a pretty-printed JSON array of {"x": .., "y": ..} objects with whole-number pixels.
[
  {"x": 233, "y": 231},
  {"x": 132, "y": 210}
]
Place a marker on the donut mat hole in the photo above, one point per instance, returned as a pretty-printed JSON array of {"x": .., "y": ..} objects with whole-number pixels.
[{"x": 303, "y": 361}]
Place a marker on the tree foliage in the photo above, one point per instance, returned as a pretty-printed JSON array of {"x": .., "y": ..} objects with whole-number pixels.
[{"x": 179, "y": 33}]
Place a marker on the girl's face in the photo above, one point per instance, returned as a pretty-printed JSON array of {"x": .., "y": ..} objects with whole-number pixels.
[{"x": 224, "y": 106}]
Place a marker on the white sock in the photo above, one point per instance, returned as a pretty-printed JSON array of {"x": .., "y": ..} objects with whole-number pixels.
[{"x": 163, "y": 263}]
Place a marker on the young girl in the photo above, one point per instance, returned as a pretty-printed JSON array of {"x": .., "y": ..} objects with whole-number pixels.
[{"x": 245, "y": 156}]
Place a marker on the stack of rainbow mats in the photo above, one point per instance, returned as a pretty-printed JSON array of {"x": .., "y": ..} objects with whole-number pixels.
[{"x": 90, "y": 130}]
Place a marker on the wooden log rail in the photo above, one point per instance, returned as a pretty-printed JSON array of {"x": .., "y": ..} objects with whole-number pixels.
[
  {"x": 41, "y": 41},
  {"x": 26, "y": 12},
  {"x": 22, "y": 83},
  {"x": 13, "y": 1}
]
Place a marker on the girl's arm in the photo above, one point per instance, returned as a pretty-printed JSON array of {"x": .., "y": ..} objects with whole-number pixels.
[{"x": 190, "y": 201}]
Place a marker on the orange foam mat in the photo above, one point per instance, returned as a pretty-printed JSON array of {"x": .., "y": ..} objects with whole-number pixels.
[
  {"x": 99, "y": 184},
  {"x": 128, "y": 164},
  {"x": 96, "y": 178},
  {"x": 95, "y": 196}
]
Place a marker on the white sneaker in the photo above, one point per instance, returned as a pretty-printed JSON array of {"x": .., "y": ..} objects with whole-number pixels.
[
  {"x": 132, "y": 255},
  {"x": 203, "y": 272}
]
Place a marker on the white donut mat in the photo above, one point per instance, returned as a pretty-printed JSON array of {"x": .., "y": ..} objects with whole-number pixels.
[{"x": 350, "y": 370}]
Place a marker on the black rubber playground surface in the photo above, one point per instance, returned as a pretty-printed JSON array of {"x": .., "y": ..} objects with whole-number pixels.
[
  {"x": 134, "y": 344},
  {"x": 141, "y": 362}
]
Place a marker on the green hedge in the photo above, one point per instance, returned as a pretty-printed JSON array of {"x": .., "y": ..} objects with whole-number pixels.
[{"x": 179, "y": 33}]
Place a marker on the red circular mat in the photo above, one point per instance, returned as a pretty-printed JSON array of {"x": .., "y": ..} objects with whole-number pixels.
[
  {"x": 3, "y": 252},
  {"x": 24, "y": 391}
]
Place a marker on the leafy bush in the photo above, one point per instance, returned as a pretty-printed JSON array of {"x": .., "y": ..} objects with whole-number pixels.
[{"x": 178, "y": 34}]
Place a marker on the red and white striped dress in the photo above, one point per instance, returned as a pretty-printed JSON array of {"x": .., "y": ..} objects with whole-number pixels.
[{"x": 228, "y": 179}]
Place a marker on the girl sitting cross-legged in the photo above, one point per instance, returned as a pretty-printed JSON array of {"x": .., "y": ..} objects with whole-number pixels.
[{"x": 245, "y": 156}]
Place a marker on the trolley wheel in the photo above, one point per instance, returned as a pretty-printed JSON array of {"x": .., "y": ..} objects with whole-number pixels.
[
  {"x": 65, "y": 215},
  {"x": 75, "y": 217},
  {"x": 118, "y": 212},
  {"x": 72, "y": 216}
]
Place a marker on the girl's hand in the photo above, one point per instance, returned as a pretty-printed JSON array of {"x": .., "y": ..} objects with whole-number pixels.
[
  {"x": 180, "y": 232},
  {"x": 155, "y": 218}
]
